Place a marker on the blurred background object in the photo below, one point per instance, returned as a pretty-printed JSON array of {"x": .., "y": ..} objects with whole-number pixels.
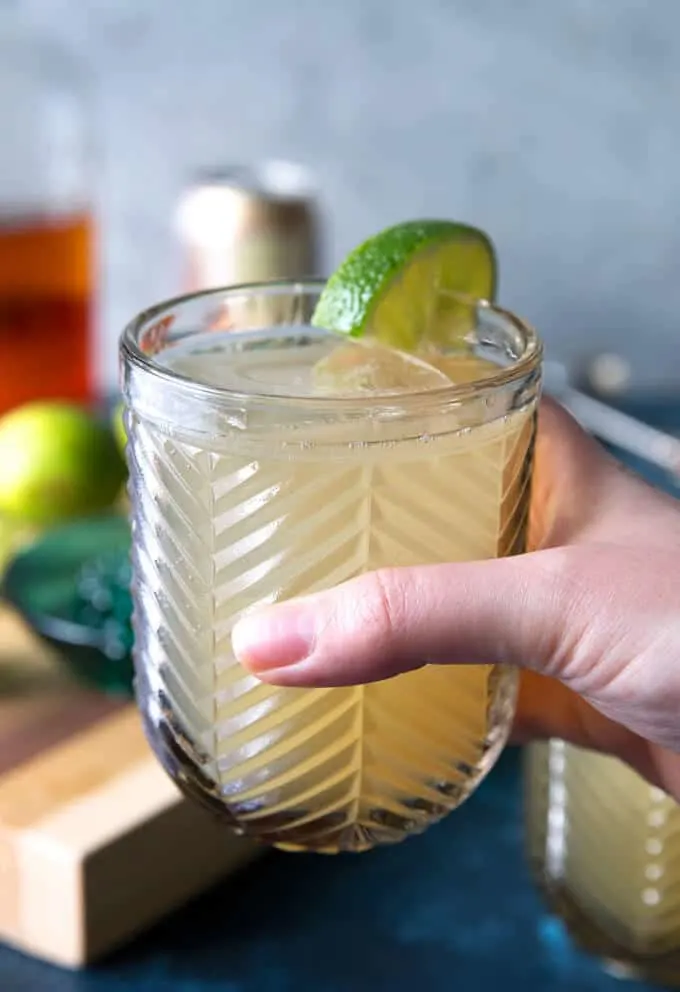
[
  {"x": 46, "y": 220},
  {"x": 620, "y": 430},
  {"x": 552, "y": 126},
  {"x": 248, "y": 224},
  {"x": 72, "y": 587}
]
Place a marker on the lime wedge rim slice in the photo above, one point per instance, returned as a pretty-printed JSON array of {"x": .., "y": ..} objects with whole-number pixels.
[{"x": 410, "y": 284}]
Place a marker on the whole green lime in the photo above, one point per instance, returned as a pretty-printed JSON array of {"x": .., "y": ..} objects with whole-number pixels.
[
  {"x": 58, "y": 461},
  {"x": 12, "y": 536}
]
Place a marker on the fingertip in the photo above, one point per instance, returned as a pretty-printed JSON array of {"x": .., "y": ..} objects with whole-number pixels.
[{"x": 274, "y": 638}]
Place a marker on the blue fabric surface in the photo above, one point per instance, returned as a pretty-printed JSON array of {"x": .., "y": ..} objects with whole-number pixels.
[{"x": 452, "y": 909}]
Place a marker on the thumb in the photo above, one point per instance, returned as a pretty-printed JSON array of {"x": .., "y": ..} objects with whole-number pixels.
[{"x": 508, "y": 610}]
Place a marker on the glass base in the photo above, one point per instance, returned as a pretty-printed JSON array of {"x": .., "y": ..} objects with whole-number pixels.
[
  {"x": 618, "y": 960},
  {"x": 328, "y": 835},
  {"x": 313, "y": 827}
]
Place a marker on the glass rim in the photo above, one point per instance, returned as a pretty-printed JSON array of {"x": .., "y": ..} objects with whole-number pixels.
[{"x": 522, "y": 367}]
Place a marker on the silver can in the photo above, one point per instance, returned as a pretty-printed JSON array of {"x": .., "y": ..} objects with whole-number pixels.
[{"x": 249, "y": 224}]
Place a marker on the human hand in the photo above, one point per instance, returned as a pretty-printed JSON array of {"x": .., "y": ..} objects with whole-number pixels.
[{"x": 591, "y": 614}]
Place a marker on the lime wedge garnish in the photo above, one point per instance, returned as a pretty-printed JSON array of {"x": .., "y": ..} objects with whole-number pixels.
[{"x": 402, "y": 286}]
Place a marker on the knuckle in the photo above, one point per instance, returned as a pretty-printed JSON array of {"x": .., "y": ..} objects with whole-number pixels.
[
  {"x": 381, "y": 605},
  {"x": 567, "y": 593}
]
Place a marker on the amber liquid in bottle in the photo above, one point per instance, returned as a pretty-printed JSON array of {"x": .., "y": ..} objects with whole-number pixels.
[{"x": 46, "y": 279}]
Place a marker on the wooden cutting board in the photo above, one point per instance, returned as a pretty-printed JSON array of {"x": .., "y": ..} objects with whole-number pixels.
[{"x": 96, "y": 843}]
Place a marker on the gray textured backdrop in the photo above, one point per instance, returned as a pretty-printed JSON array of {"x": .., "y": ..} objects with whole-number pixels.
[{"x": 553, "y": 123}]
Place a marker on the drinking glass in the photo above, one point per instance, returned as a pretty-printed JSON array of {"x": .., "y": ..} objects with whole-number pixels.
[
  {"x": 255, "y": 477},
  {"x": 604, "y": 846}
]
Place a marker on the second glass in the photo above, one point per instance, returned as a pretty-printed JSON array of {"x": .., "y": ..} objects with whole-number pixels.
[
  {"x": 251, "y": 484},
  {"x": 603, "y": 848}
]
